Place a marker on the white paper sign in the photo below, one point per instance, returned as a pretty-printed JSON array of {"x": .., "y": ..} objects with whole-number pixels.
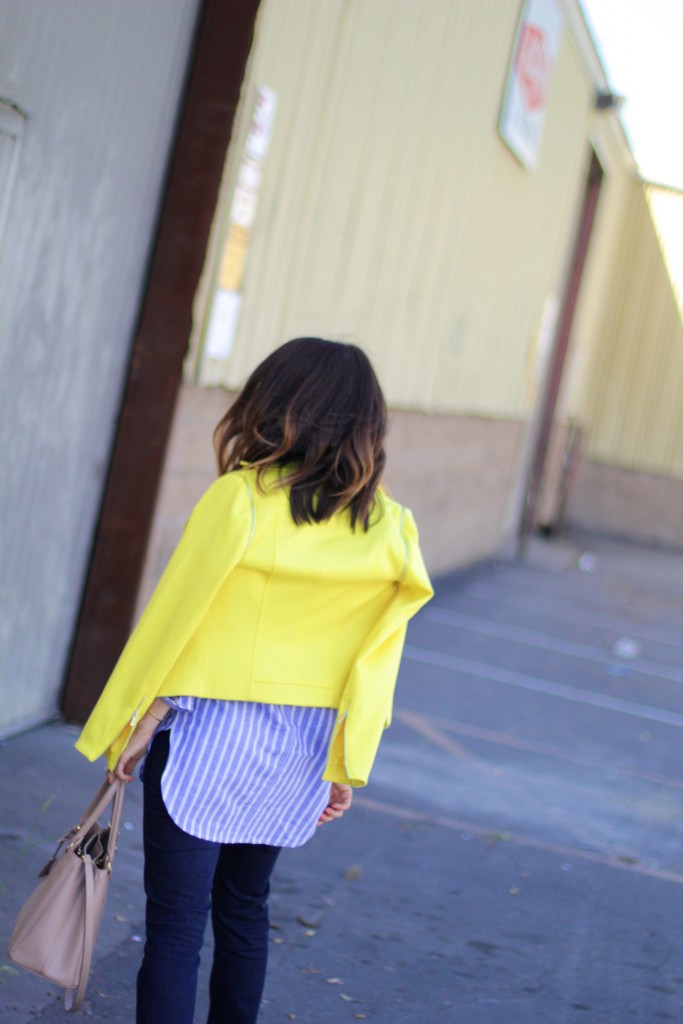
[
  {"x": 529, "y": 78},
  {"x": 262, "y": 121},
  {"x": 225, "y": 311},
  {"x": 243, "y": 209}
]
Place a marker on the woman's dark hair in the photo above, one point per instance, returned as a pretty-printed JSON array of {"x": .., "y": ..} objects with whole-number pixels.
[{"x": 315, "y": 408}]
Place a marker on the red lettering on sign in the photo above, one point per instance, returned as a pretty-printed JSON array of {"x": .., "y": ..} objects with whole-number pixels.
[{"x": 533, "y": 67}]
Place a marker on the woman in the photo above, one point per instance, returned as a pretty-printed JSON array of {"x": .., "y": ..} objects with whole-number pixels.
[{"x": 260, "y": 677}]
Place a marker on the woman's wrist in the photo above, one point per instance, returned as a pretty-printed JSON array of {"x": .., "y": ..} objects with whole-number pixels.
[
  {"x": 146, "y": 726},
  {"x": 155, "y": 714}
]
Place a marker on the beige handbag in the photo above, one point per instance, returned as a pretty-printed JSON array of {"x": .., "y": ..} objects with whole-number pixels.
[{"x": 55, "y": 931}]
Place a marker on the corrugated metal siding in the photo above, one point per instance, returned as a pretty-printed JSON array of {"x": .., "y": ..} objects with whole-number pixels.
[
  {"x": 392, "y": 213},
  {"x": 596, "y": 283},
  {"x": 634, "y": 392},
  {"x": 101, "y": 85}
]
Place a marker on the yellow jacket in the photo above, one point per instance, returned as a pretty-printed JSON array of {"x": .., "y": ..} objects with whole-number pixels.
[{"x": 253, "y": 607}]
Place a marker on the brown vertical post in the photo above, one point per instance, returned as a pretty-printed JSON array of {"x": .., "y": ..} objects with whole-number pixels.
[
  {"x": 559, "y": 355},
  {"x": 222, "y": 43}
]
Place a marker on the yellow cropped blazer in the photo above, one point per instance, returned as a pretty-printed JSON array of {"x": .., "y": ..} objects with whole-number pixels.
[{"x": 253, "y": 607}]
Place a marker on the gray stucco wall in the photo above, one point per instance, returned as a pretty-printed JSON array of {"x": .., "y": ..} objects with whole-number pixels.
[{"x": 101, "y": 84}]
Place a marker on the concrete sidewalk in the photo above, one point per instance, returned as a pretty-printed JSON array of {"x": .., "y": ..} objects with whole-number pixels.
[{"x": 517, "y": 858}]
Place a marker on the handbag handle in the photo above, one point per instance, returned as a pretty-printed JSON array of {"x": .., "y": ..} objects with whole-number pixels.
[
  {"x": 74, "y": 997},
  {"x": 120, "y": 788},
  {"x": 105, "y": 794}
]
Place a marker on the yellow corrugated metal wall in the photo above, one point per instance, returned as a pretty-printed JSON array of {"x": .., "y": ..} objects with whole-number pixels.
[
  {"x": 598, "y": 274},
  {"x": 633, "y": 389},
  {"x": 391, "y": 212}
]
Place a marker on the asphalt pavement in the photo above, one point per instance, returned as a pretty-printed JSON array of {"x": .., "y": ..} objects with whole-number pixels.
[{"x": 517, "y": 857}]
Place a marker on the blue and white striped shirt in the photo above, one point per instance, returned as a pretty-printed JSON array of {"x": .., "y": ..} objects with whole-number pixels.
[{"x": 242, "y": 772}]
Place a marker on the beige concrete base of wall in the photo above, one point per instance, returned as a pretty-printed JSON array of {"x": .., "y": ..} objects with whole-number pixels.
[
  {"x": 454, "y": 472},
  {"x": 640, "y": 506},
  {"x": 189, "y": 469}
]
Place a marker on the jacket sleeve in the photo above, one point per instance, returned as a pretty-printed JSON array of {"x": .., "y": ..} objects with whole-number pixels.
[
  {"x": 213, "y": 542},
  {"x": 366, "y": 706}
]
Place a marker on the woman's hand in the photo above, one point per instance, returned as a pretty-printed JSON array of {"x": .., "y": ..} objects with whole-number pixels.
[
  {"x": 340, "y": 801},
  {"x": 138, "y": 744},
  {"x": 136, "y": 749}
]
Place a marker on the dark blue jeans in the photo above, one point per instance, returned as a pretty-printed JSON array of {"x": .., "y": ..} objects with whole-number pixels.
[{"x": 185, "y": 878}]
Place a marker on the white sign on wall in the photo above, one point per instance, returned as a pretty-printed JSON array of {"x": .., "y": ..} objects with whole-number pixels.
[
  {"x": 262, "y": 123},
  {"x": 227, "y": 300},
  {"x": 220, "y": 334},
  {"x": 529, "y": 78}
]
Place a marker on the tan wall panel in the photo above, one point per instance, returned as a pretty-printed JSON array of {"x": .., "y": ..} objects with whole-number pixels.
[
  {"x": 189, "y": 469},
  {"x": 642, "y": 506},
  {"x": 455, "y": 473},
  {"x": 635, "y": 414},
  {"x": 597, "y": 285},
  {"x": 392, "y": 213}
]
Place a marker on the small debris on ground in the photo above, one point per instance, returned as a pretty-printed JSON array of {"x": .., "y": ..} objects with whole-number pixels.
[
  {"x": 308, "y": 922},
  {"x": 626, "y": 647}
]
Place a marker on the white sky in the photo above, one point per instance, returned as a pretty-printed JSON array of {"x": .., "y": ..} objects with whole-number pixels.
[{"x": 641, "y": 44}]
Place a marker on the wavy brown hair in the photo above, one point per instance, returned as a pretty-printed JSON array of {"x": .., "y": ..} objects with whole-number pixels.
[{"x": 314, "y": 408}]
